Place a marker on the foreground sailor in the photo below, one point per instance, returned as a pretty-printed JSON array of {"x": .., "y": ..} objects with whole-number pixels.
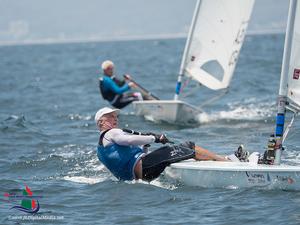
[
  {"x": 122, "y": 152},
  {"x": 116, "y": 91}
]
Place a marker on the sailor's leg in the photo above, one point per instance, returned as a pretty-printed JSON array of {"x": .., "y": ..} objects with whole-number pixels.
[
  {"x": 124, "y": 100},
  {"x": 204, "y": 154},
  {"x": 154, "y": 163},
  {"x": 138, "y": 170}
]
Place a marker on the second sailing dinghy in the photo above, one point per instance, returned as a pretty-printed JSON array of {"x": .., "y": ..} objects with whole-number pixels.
[
  {"x": 214, "y": 42},
  {"x": 268, "y": 170}
]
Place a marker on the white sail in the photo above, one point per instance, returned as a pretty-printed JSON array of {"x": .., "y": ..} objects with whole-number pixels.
[
  {"x": 293, "y": 86},
  {"x": 216, "y": 35},
  {"x": 215, "y": 41}
]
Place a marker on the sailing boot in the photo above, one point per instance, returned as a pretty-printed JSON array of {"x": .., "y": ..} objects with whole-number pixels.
[{"x": 242, "y": 154}]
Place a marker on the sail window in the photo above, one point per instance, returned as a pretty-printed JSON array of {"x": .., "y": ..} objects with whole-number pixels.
[{"x": 214, "y": 68}]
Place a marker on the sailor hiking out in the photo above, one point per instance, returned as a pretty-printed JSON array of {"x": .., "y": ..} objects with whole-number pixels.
[{"x": 124, "y": 154}]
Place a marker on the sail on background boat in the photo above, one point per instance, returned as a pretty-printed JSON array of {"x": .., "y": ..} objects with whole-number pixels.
[
  {"x": 216, "y": 36},
  {"x": 215, "y": 42}
]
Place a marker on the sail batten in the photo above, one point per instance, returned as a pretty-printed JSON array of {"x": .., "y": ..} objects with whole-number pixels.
[{"x": 214, "y": 43}]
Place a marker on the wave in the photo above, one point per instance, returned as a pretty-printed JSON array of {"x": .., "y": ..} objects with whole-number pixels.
[
  {"x": 240, "y": 112},
  {"x": 14, "y": 121},
  {"x": 292, "y": 155}
]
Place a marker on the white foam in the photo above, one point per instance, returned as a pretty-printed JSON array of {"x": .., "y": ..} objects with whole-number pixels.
[
  {"x": 159, "y": 184},
  {"x": 71, "y": 151},
  {"x": 13, "y": 117},
  {"x": 245, "y": 111},
  {"x": 79, "y": 117},
  {"x": 156, "y": 183},
  {"x": 232, "y": 187},
  {"x": 150, "y": 118},
  {"x": 292, "y": 156},
  {"x": 85, "y": 180}
]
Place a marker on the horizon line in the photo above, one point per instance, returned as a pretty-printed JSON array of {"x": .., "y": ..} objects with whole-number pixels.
[{"x": 49, "y": 41}]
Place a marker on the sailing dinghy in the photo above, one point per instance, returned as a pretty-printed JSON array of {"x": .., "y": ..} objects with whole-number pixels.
[
  {"x": 269, "y": 172},
  {"x": 213, "y": 45}
]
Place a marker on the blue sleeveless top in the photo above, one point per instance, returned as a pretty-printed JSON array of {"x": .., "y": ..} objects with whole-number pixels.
[{"x": 120, "y": 160}]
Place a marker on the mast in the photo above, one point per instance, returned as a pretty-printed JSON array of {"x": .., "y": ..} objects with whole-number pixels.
[
  {"x": 282, "y": 97},
  {"x": 186, "y": 49}
]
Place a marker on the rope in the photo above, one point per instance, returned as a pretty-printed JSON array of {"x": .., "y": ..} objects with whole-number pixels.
[
  {"x": 288, "y": 128},
  {"x": 214, "y": 98},
  {"x": 192, "y": 91}
]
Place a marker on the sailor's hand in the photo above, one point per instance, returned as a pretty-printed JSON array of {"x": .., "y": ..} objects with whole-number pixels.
[
  {"x": 161, "y": 138},
  {"x": 132, "y": 85},
  {"x": 127, "y": 77}
]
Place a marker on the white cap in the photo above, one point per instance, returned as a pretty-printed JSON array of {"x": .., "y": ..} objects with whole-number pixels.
[
  {"x": 106, "y": 64},
  {"x": 104, "y": 111}
]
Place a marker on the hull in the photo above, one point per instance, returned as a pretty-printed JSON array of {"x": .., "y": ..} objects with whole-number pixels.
[
  {"x": 174, "y": 112},
  {"x": 208, "y": 174}
]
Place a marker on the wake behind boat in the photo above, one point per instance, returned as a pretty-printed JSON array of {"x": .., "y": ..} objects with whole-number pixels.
[
  {"x": 268, "y": 170},
  {"x": 213, "y": 45}
]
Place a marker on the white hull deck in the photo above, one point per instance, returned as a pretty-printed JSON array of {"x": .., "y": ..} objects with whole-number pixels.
[
  {"x": 169, "y": 111},
  {"x": 214, "y": 174}
]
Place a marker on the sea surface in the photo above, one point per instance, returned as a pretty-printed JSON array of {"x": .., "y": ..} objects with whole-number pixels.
[{"x": 48, "y": 138}]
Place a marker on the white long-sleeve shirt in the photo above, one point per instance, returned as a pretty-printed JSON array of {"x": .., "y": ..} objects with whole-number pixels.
[{"x": 120, "y": 137}]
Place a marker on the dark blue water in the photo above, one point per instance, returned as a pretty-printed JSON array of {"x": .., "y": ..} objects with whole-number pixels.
[{"x": 48, "y": 138}]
